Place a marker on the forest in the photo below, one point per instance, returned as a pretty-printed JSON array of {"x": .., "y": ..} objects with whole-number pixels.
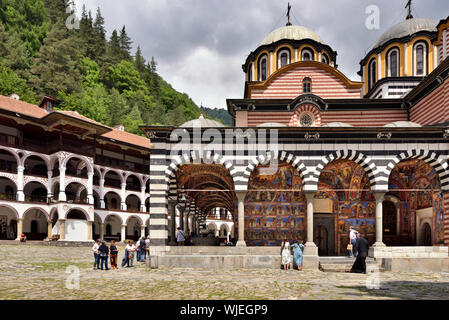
[{"x": 84, "y": 69}]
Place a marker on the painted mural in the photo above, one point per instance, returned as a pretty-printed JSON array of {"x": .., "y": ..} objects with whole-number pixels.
[
  {"x": 274, "y": 206},
  {"x": 417, "y": 185},
  {"x": 346, "y": 183}
]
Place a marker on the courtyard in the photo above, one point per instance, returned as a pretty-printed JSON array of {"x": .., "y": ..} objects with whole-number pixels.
[{"x": 39, "y": 272}]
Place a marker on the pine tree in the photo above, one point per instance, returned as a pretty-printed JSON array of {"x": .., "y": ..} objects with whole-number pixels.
[
  {"x": 125, "y": 44},
  {"x": 113, "y": 55},
  {"x": 100, "y": 35},
  {"x": 87, "y": 35},
  {"x": 140, "y": 61},
  {"x": 55, "y": 67}
]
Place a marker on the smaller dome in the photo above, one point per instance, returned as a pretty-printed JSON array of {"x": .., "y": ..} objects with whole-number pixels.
[
  {"x": 403, "y": 124},
  {"x": 201, "y": 122},
  {"x": 337, "y": 125},
  {"x": 407, "y": 28},
  {"x": 291, "y": 32},
  {"x": 271, "y": 124}
]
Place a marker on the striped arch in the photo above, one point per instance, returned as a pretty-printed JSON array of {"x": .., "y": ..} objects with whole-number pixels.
[
  {"x": 90, "y": 167},
  {"x": 13, "y": 153},
  {"x": 194, "y": 156},
  {"x": 289, "y": 158},
  {"x": 308, "y": 108},
  {"x": 368, "y": 166},
  {"x": 47, "y": 215},
  {"x": 43, "y": 157},
  {"x": 432, "y": 158}
]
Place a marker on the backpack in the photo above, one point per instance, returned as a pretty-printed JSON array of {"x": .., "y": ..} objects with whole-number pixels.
[{"x": 142, "y": 244}]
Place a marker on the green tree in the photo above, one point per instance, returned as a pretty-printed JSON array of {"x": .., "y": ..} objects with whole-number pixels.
[
  {"x": 27, "y": 19},
  {"x": 100, "y": 35},
  {"x": 125, "y": 44},
  {"x": 133, "y": 120},
  {"x": 55, "y": 69},
  {"x": 125, "y": 77},
  {"x": 140, "y": 61},
  {"x": 113, "y": 53},
  {"x": 11, "y": 83}
]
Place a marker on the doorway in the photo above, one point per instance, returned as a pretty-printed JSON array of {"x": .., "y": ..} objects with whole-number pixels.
[{"x": 323, "y": 234}]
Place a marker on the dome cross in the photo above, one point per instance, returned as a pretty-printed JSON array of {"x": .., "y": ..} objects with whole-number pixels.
[{"x": 409, "y": 6}]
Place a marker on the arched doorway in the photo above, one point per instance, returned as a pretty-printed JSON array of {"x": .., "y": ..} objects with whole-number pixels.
[
  {"x": 133, "y": 228},
  {"x": 417, "y": 186},
  {"x": 132, "y": 203},
  {"x": 113, "y": 226},
  {"x": 8, "y": 189},
  {"x": 274, "y": 206},
  {"x": 427, "y": 234},
  {"x": 35, "y": 224},
  {"x": 344, "y": 199},
  {"x": 76, "y": 225},
  {"x": 205, "y": 187},
  {"x": 8, "y": 223}
]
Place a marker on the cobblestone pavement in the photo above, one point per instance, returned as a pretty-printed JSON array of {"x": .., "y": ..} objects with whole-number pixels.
[{"x": 39, "y": 272}]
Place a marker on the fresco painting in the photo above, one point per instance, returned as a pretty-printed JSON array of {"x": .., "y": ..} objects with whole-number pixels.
[
  {"x": 417, "y": 185},
  {"x": 274, "y": 207},
  {"x": 346, "y": 183}
]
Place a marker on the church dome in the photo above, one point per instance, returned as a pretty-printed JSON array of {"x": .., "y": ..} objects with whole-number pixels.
[
  {"x": 292, "y": 33},
  {"x": 407, "y": 28},
  {"x": 201, "y": 122}
]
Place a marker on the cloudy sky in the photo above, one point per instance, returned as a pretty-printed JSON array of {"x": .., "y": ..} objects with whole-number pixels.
[{"x": 200, "y": 45}]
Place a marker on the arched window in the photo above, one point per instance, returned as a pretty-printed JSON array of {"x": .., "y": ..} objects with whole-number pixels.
[
  {"x": 306, "y": 55},
  {"x": 324, "y": 58},
  {"x": 393, "y": 63},
  {"x": 420, "y": 59},
  {"x": 307, "y": 85},
  {"x": 283, "y": 58},
  {"x": 372, "y": 74},
  {"x": 250, "y": 72},
  {"x": 263, "y": 68}
]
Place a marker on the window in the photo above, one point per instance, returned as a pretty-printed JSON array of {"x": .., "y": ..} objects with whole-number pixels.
[
  {"x": 420, "y": 59},
  {"x": 306, "y": 55},
  {"x": 108, "y": 230},
  {"x": 372, "y": 70},
  {"x": 250, "y": 72},
  {"x": 393, "y": 63},
  {"x": 324, "y": 59},
  {"x": 283, "y": 58},
  {"x": 307, "y": 85},
  {"x": 306, "y": 120},
  {"x": 263, "y": 68}
]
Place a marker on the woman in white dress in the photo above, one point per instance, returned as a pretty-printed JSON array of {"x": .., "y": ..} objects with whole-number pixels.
[{"x": 285, "y": 254}]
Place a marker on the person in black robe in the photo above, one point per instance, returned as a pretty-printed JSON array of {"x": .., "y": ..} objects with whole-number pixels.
[{"x": 362, "y": 246}]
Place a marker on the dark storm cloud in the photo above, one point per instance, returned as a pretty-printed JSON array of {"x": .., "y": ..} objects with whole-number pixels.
[{"x": 200, "y": 45}]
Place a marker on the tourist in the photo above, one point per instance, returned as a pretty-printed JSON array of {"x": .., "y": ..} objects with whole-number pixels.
[
  {"x": 23, "y": 237},
  {"x": 297, "y": 255},
  {"x": 125, "y": 258},
  {"x": 352, "y": 241},
  {"x": 131, "y": 248},
  {"x": 113, "y": 251},
  {"x": 180, "y": 237},
  {"x": 138, "y": 249},
  {"x": 96, "y": 256},
  {"x": 362, "y": 247},
  {"x": 103, "y": 251},
  {"x": 147, "y": 246},
  {"x": 142, "y": 247},
  {"x": 285, "y": 254}
]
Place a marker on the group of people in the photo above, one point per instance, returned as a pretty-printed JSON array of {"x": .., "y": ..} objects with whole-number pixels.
[
  {"x": 358, "y": 247},
  {"x": 295, "y": 250},
  {"x": 102, "y": 252}
]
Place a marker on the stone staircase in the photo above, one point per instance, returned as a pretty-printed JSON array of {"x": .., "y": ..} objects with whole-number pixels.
[{"x": 343, "y": 264}]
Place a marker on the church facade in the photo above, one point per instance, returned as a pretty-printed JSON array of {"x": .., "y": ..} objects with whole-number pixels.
[{"x": 312, "y": 152}]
